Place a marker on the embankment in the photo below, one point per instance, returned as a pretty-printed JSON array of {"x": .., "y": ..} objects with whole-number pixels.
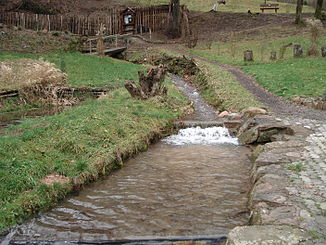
[{"x": 45, "y": 159}]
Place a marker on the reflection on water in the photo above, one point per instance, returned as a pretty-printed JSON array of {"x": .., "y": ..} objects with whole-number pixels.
[{"x": 166, "y": 191}]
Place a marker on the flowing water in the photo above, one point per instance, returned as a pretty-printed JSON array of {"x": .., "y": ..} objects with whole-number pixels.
[{"x": 191, "y": 184}]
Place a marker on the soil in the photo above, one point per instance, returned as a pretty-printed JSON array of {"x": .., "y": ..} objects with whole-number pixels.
[
  {"x": 55, "y": 178},
  {"x": 219, "y": 25}
]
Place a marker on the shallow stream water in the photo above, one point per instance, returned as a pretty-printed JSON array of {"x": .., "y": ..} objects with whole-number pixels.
[
  {"x": 191, "y": 184},
  {"x": 169, "y": 190}
]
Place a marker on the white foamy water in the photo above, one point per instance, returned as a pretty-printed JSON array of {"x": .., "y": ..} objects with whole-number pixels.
[{"x": 202, "y": 136}]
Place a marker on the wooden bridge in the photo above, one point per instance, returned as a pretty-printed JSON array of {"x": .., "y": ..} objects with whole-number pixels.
[{"x": 114, "y": 45}]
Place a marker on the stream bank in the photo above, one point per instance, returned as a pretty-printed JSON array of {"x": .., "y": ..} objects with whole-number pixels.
[
  {"x": 191, "y": 184},
  {"x": 80, "y": 144}
]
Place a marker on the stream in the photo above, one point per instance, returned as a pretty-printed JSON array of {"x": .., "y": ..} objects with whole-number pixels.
[{"x": 191, "y": 184}]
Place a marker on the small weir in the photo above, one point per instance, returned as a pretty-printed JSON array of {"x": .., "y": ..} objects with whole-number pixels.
[{"x": 189, "y": 186}]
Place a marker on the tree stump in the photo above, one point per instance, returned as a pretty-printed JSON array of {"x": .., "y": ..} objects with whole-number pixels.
[
  {"x": 149, "y": 85},
  {"x": 297, "y": 50},
  {"x": 323, "y": 51},
  {"x": 248, "y": 55},
  {"x": 273, "y": 55}
]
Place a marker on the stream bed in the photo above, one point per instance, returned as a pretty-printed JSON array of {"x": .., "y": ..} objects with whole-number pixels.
[
  {"x": 191, "y": 184},
  {"x": 169, "y": 190}
]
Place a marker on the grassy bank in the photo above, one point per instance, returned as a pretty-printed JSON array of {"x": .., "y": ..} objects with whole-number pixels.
[
  {"x": 221, "y": 89},
  {"x": 218, "y": 86},
  {"x": 81, "y": 143},
  {"x": 231, "y": 52},
  {"x": 285, "y": 77},
  {"x": 86, "y": 70},
  {"x": 295, "y": 77}
]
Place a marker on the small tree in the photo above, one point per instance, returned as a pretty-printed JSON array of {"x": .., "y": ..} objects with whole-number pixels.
[
  {"x": 315, "y": 27},
  {"x": 319, "y": 8}
]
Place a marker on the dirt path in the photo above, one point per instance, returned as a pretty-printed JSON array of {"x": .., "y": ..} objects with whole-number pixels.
[{"x": 276, "y": 104}]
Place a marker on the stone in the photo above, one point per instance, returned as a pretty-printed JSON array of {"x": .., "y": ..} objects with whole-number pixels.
[
  {"x": 253, "y": 111},
  {"x": 262, "y": 133},
  {"x": 235, "y": 116},
  {"x": 248, "y": 124},
  {"x": 266, "y": 235},
  {"x": 285, "y": 215},
  {"x": 323, "y": 51},
  {"x": 284, "y": 144},
  {"x": 297, "y": 50},
  {"x": 323, "y": 206},
  {"x": 223, "y": 114},
  {"x": 273, "y": 55},
  {"x": 277, "y": 157},
  {"x": 269, "y": 188},
  {"x": 248, "y": 55}
]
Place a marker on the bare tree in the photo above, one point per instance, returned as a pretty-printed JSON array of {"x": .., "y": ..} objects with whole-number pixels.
[
  {"x": 319, "y": 8},
  {"x": 298, "y": 15}
]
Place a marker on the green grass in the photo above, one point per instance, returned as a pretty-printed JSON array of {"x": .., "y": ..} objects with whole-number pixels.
[
  {"x": 80, "y": 143},
  {"x": 232, "y": 52},
  {"x": 285, "y": 77},
  {"x": 296, "y": 77},
  {"x": 221, "y": 89},
  {"x": 231, "y": 6},
  {"x": 86, "y": 70},
  {"x": 218, "y": 86}
]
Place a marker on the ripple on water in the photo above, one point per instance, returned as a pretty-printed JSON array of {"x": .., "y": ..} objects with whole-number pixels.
[{"x": 166, "y": 191}]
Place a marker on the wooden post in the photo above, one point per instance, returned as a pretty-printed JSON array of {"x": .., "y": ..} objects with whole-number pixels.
[
  {"x": 248, "y": 55},
  {"x": 49, "y": 24},
  {"x": 297, "y": 50},
  {"x": 273, "y": 55}
]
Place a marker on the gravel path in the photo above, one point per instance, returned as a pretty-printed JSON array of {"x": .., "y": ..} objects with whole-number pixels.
[{"x": 276, "y": 104}]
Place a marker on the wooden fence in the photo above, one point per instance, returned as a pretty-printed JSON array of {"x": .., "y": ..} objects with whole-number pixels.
[{"x": 153, "y": 18}]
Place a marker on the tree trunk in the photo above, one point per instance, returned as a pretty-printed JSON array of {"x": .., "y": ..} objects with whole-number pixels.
[
  {"x": 149, "y": 85},
  {"x": 319, "y": 8},
  {"x": 298, "y": 15},
  {"x": 174, "y": 29}
]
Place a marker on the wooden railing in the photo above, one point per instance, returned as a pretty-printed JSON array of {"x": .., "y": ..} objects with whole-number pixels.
[{"x": 147, "y": 18}]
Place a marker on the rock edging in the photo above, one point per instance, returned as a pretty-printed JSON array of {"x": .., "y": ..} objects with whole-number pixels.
[{"x": 277, "y": 215}]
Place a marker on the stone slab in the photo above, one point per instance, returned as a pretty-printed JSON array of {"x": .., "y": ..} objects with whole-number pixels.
[{"x": 266, "y": 235}]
